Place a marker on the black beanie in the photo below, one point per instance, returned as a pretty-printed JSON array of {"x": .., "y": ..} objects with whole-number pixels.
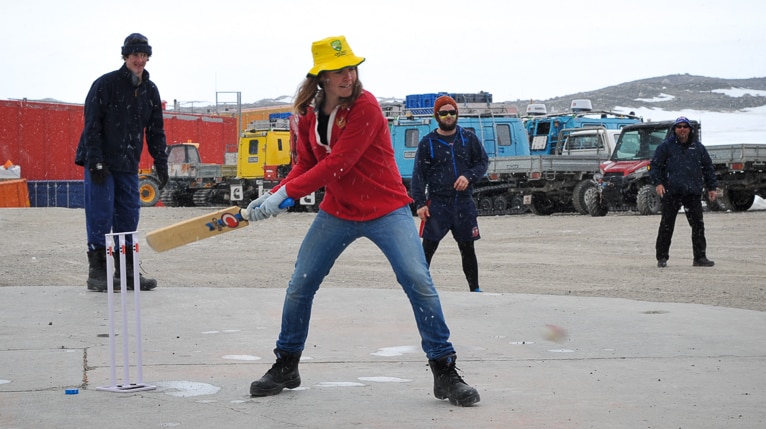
[{"x": 136, "y": 42}]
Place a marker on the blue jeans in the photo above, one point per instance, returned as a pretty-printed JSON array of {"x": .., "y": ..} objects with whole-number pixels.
[
  {"x": 396, "y": 235},
  {"x": 113, "y": 206}
]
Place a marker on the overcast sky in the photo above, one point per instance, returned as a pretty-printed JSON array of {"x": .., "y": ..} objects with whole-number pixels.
[{"x": 262, "y": 49}]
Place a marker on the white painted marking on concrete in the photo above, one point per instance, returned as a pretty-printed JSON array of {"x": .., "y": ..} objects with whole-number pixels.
[
  {"x": 183, "y": 389},
  {"x": 395, "y": 351},
  {"x": 385, "y": 379},
  {"x": 241, "y": 357},
  {"x": 339, "y": 384}
]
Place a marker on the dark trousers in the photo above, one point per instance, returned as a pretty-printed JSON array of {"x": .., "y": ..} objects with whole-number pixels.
[
  {"x": 467, "y": 256},
  {"x": 113, "y": 206},
  {"x": 693, "y": 209}
]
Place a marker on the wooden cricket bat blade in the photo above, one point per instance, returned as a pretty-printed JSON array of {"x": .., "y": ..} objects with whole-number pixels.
[{"x": 195, "y": 229}]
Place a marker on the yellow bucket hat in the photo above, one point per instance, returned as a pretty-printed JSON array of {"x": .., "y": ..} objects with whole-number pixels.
[{"x": 332, "y": 53}]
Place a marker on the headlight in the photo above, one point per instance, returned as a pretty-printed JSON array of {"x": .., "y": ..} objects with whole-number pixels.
[{"x": 639, "y": 172}]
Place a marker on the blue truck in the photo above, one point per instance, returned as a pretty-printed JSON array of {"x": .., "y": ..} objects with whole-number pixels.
[
  {"x": 497, "y": 125},
  {"x": 545, "y": 130}
]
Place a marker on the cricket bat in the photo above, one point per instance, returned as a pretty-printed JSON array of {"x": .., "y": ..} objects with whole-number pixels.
[{"x": 201, "y": 227}]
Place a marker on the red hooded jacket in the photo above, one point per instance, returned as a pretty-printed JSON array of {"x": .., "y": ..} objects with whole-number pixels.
[{"x": 357, "y": 170}]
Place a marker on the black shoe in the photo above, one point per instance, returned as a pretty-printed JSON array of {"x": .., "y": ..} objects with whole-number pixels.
[
  {"x": 703, "y": 262},
  {"x": 282, "y": 375},
  {"x": 448, "y": 384},
  {"x": 143, "y": 282},
  {"x": 97, "y": 271},
  {"x": 662, "y": 263}
]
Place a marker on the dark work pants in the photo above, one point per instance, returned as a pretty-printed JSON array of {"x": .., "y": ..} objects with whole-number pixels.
[
  {"x": 113, "y": 206},
  {"x": 467, "y": 256},
  {"x": 693, "y": 209}
]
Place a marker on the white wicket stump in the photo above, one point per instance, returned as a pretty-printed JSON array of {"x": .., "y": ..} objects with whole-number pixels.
[{"x": 118, "y": 240}]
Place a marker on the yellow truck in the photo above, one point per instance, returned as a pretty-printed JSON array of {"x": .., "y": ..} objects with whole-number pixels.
[{"x": 263, "y": 158}]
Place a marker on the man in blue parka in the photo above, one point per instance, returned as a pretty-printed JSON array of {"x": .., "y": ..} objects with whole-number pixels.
[
  {"x": 120, "y": 108},
  {"x": 681, "y": 170},
  {"x": 449, "y": 160}
]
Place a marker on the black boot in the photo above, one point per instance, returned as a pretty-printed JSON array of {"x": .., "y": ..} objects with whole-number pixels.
[
  {"x": 144, "y": 283},
  {"x": 448, "y": 384},
  {"x": 97, "y": 270},
  {"x": 282, "y": 375}
]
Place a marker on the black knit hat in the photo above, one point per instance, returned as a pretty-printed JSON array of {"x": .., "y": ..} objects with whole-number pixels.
[{"x": 136, "y": 42}]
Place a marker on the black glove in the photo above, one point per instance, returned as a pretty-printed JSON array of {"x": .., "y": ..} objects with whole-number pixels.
[
  {"x": 163, "y": 176},
  {"x": 98, "y": 172}
]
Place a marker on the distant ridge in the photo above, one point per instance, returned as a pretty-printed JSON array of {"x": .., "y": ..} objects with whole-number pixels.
[{"x": 686, "y": 92}]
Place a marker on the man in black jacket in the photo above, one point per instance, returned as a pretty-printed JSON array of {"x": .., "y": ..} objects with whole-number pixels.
[
  {"x": 120, "y": 108},
  {"x": 681, "y": 169},
  {"x": 449, "y": 160}
]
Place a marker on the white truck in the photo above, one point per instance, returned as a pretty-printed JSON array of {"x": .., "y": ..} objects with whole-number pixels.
[{"x": 558, "y": 182}]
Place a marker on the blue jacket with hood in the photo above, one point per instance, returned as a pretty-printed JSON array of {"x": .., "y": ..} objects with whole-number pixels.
[
  {"x": 117, "y": 112},
  {"x": 438, "y": 164},
  {"x": 683, "y": 169}
]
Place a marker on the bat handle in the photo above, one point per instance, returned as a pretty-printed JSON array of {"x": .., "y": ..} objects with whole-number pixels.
[{"x": 287, "y": 203}]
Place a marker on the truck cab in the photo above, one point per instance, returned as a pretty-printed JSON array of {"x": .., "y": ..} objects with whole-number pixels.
[
  {"x": 263, "y": 145},
  {"x": 588, "y": 141},
  {"x": 545, "y": 130},
  {"x": 501, "y": 137},
  {"x": 500, "y": 129}
]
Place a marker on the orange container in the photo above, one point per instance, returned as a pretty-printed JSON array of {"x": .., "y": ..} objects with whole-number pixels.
[{"x": 14, "y": 193}]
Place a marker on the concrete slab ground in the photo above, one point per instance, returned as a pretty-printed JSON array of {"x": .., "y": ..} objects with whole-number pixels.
[{"x": 622, "y": 363}]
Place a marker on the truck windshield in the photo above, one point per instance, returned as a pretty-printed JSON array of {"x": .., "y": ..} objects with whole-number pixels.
[{"x": 636, "y": 145}]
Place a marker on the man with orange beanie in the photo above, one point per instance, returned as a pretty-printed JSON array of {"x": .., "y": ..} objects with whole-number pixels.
[{"x": 449, "y": 160}]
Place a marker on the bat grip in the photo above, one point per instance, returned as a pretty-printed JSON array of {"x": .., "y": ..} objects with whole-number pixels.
[{"x": 287, "y": 203}]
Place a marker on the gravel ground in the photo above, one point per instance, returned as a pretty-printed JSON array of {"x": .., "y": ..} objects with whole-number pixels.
[{"x": 576, "y": 255}]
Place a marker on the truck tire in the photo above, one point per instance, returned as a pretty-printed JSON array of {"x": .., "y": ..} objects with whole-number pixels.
[
  {"x": 578, "y": 196},
  {"x": 484, "y": 206},
  {"x": 597, "y": 207},
  {"x": 500, "y": 205},
  {"x": 736, "y": 201},
  {"x": 542, "y": 205},
  {"x": 647, "y": 201},
  {"x": 516, "y": 205},
  {"x": 149, "y": 192}
]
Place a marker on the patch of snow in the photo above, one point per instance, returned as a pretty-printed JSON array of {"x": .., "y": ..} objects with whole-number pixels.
[
  {"x": 662, "y": 97},
  {"x": 739, "y": 92}
]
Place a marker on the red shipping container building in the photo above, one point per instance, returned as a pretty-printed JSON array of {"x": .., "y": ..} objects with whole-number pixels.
[{"x": 42, "y": 137}]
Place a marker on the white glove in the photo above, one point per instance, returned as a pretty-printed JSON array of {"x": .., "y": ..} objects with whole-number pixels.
[
  {"x": 272, "y": 205},
  {"x": 251, "y": 216}
]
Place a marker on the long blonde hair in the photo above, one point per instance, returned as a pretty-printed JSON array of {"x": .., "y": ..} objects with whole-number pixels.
[{"x": 311, "y": 92}]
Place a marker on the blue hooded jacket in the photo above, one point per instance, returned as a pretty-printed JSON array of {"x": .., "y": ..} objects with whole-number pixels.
[
  {"x": 683, "y": 169},
  {"x": 438, "y": 164},
  {"x": 117, "y": 112}
]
